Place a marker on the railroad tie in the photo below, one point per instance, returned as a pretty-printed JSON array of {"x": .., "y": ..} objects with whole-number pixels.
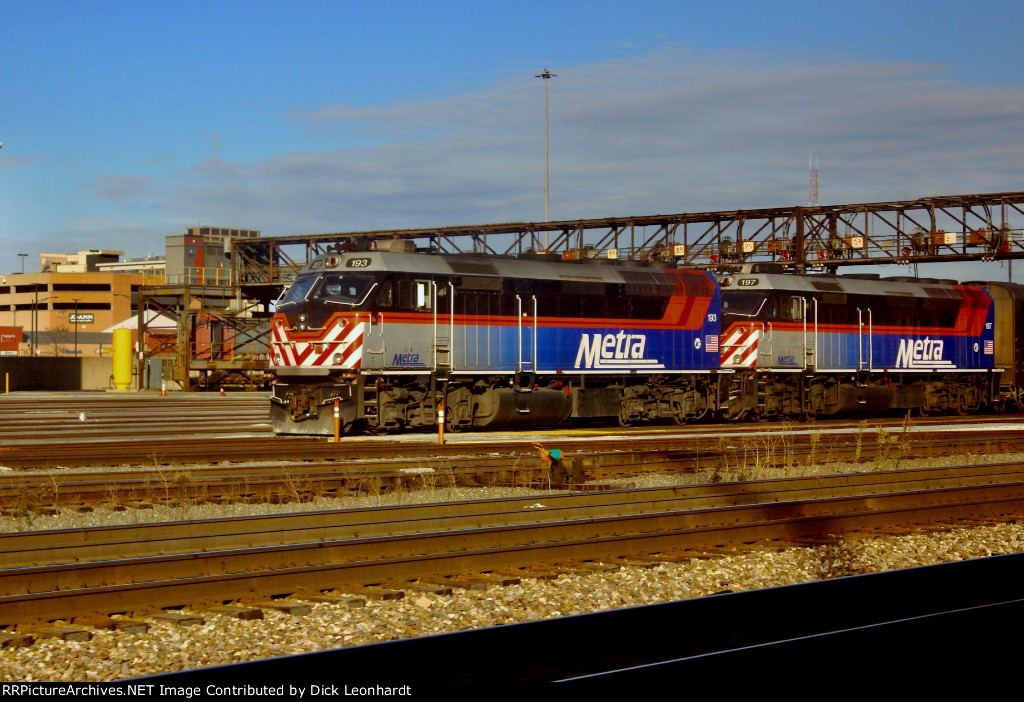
[
  {"x": 237, "y": 612},
  {"x": 296, "y": 609}
]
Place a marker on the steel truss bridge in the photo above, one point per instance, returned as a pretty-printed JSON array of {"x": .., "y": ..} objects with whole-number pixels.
[{"x": 985, "y": 227}]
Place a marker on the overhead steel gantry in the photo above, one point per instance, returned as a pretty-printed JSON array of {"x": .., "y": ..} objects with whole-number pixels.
[{"x": 982, "y": 227}]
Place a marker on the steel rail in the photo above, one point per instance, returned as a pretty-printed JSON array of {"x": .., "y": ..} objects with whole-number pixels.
[
  {"x": 358, "y": 467},
  {"x": 40, "y": 548},
  {"x": 147, "y": 584},
  {"x": 902, "y": 622}
]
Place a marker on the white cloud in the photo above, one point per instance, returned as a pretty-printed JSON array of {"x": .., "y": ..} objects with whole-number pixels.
[{"x": 669, "y": 132}]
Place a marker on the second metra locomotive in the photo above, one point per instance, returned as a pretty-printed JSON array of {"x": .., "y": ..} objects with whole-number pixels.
[{"x": 390, "y": 335}]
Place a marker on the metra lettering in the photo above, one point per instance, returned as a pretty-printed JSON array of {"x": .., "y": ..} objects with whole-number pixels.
[
  {"x": 786, "y": 361},
  {"x": 920, "y": 352},
  {"x": 406, "y": 359},
  {"x": 613, "y": 350}
]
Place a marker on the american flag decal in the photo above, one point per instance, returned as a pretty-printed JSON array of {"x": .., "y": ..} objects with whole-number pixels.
[
  {"x": 711, "y": 343},
  {"x": 990, "y": 347}
]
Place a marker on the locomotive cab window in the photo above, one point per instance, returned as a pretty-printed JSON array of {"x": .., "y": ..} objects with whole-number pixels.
[
  {"x": 415, "y": 295},
  {"x": 298, "y": 291},
  {"x": 791, "y": 308},
  {"x": 743, "y": 304},
  {"x": 423, "y": 300},
  {"x": 344, "y": 289},
  {"x": 385, "y": 298}
]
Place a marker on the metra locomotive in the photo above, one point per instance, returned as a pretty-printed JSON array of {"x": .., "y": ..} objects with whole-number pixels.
[{"x": 388, "y": 335}]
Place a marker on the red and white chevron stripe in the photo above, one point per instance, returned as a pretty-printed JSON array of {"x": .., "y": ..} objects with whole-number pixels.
[
  {"x": 344, "y": 338},
  {"x": 739, "y": 345}
]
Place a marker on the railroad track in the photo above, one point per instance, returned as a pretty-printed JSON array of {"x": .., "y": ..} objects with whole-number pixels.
[
  {"x": 91, "y": 572},
  {"x": 358, "y": 467},
  {"x": 898, "y": 622},
  {"x": 146, "y": 429}
]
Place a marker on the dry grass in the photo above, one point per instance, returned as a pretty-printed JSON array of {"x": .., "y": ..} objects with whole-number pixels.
[{"x": 761, "y": 459}]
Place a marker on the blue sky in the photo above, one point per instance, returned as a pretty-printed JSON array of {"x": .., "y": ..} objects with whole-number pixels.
[{"x": 125, "y": 122}]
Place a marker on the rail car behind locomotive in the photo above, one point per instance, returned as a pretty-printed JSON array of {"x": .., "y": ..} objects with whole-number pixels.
[{"x": 390, "y": 334}]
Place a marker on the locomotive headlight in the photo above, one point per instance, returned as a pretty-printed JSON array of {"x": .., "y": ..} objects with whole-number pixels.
[
  {"x": 277, "y": 359},
  {"x": 302, "y": 322},
  {"x": 337, "y": 359}
]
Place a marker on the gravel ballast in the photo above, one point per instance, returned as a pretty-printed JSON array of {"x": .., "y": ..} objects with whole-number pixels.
[{"x": 222, "y": 639}]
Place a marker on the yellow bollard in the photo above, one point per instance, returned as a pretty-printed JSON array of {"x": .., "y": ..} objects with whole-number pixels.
[{"x": 122, "y": 363}]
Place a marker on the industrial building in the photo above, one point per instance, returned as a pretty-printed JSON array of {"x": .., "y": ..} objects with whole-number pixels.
[
  {"x": 71, "y": 306},
  {"x": 67, "y": 313}
]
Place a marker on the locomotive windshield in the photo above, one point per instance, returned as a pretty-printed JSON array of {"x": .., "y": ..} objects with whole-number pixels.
[
  {"x": 743, "y": 304},
  {"x": 344, "y": 289},
  {"x": 298, "y": 291},
  {"x": 338, "y": 288}
]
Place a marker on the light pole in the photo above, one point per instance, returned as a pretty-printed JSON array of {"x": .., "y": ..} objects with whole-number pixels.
[
  {"x": 35, "y": 321},
  {"x": 23, "y": 256},
  {"x": 546, "y": 75}
]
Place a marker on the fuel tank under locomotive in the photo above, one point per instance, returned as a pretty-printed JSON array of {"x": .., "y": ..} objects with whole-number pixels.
[
  {"x": 873, "y": 399},
  {"x": 474, "y": 407}
]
